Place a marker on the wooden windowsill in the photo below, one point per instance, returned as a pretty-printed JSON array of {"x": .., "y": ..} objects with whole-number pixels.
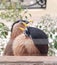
[{"x": 32, "y": 60}]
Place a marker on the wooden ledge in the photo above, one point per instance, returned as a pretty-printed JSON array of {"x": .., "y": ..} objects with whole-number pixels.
[{"x": 24, "y": 60}]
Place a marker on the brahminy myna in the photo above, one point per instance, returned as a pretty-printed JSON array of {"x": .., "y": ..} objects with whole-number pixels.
[
  {"x": 32, "y": 42},
  {"x": 15, "y": 31}
]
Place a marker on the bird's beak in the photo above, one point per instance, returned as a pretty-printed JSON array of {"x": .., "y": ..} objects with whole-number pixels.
[
  {"x": 24, "y": 24},
  {"x": 22, "y": 29}
]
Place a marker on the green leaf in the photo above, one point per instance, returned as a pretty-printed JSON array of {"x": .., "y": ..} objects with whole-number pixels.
[
  {"x": 55, "y": 44},
  {"x": 56, "y": 36},
  {"x": 3, "y": 30}
]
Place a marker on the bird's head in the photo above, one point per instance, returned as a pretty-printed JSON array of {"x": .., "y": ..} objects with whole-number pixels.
[
  {"x": 20, "y": 23},
  {"x": 17, "y": 27}
]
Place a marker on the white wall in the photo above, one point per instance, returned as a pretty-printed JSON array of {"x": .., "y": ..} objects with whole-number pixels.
[{"x": 50, "y": 9}]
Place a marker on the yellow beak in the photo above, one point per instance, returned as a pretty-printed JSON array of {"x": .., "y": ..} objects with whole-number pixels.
[
  {"x": 25, "y": 24},
  {"x": 22, "y": 29}
]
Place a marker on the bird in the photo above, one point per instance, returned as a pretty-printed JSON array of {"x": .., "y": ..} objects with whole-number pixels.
[
  {"x": 15, "y": 31},
  {"x": 32, "y": 42}
]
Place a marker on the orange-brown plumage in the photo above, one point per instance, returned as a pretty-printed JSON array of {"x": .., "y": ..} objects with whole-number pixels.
[
  {"x": 24, "y": 46},
  {"x": 14, "y": 33}
]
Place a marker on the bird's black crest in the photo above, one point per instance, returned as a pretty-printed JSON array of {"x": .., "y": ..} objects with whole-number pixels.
[{"x": 18, "y": 22}]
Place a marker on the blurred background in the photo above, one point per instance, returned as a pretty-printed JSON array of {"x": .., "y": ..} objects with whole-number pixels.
[{"x": 43, "y": 14}]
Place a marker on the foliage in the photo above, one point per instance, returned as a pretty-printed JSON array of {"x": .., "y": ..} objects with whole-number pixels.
[
  {"x": 13, "y": 15},
  {"x": 13, "y": 11},
  {"x": 3, "y": 30},
  {"x": 3, "y": 34}
]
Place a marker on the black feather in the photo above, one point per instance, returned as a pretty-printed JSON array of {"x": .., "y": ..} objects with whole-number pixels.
[
  {"x": 39, "y": 38},
  {"x": 18, "y": 22},
  {"x": 36, "y": 33}
]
